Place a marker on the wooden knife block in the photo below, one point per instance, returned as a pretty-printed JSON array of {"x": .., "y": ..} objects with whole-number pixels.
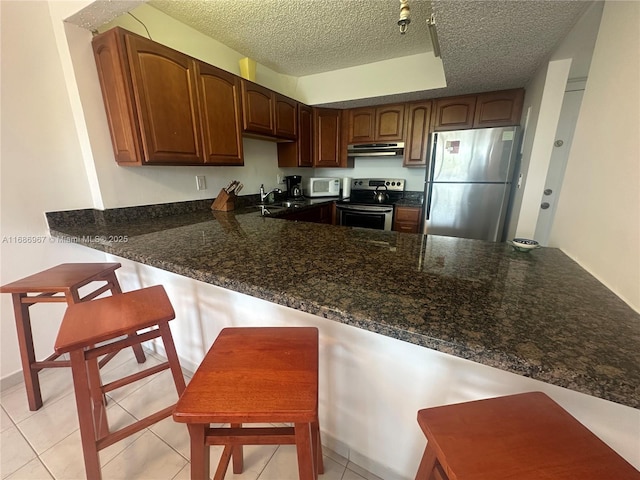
[{"x": 224, "y": 202}]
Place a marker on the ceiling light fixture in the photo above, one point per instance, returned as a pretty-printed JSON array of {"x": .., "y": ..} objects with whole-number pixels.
[
  {"x": 404, "y": 20},
  {"x": 431, "y": 23}
]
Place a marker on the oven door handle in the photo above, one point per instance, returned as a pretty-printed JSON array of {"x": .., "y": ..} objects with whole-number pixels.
[{"x": 363, "y": 210}]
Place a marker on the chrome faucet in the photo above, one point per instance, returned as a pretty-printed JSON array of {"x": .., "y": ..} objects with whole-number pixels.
[{"x": 263, "y": 196}]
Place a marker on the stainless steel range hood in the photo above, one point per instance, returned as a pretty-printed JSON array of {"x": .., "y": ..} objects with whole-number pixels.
[{"x": 376, "y": 150}]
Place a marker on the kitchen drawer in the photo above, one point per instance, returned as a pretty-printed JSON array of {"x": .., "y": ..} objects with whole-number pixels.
[
  {"x": 408, "y": 214},
  {"x": 407, "y": 219}
]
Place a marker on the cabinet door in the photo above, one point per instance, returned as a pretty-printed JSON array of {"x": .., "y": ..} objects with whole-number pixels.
[
  {"x": 453, "y": 113},
  {"x": 327, "y": 144},
  {"x": 164, "y": 86},
  {"x": 305, "y": 136},
  {"x": 118, "y": 97},
  {"x": 362, "y": 125},
  {"x": 286, "y": 120},
  {"x": 257, "y": 109},
  {"x": 390, "y": 123},
  {"x": 416, "y": 144},
  {"x": 219, "y": 95},
  {"x": 499, "y": 109},
  {"x": 407, "y": 219},
  {"x": 300, "y": 152}
]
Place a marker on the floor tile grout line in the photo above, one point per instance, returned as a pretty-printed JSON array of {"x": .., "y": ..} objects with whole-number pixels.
[{"x": 35, "y": 453}]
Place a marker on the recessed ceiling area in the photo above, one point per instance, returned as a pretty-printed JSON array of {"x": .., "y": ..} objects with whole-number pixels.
[
  {"x": 304, "y": 37},
  {"x": 485, "y": 44}
]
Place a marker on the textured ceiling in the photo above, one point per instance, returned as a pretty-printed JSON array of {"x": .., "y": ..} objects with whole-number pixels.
[
  {"x": 101, "y": 12},
  {"x": 302, "y": 37},
  {"x": 485, "y": 45}
]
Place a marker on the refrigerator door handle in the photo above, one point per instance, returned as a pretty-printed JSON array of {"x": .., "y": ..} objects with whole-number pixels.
[{"x": 432, "y": 168}]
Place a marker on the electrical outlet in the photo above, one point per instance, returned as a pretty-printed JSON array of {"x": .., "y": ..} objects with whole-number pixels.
[
  {"x": 201, "y": 182},
  {"x": 279, "y": 178}
]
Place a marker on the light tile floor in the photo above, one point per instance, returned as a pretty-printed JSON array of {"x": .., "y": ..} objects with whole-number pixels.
[{"x": 46, "y": 444}]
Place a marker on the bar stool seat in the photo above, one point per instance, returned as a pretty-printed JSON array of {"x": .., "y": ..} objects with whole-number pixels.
[
  {"x": 58, "y": 284},
  {"x": 526, "y": 437},
  {"x": 92, "y": 329},
  {"x": 255, "y": 375}
]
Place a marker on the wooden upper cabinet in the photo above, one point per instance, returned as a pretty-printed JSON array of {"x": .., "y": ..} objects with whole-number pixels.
[
  {"x": 258, "y": 105},
  {"x": 416, "y": 144},
  {"x": 300, "y": 152},
  {"x": 151, "y": 100},
  {"x": 286, "y": 117},
  {"x": 267, "y": 113},
  {"x": 305, "y": 136},
  {"x": 453, "y": 113},
  {"x": 164, "y": 107},
  {"x": 164, "y": 87},
  {"x": 219, "y": 94},
  {"x": 376, "y": 124},
  {"x": 499, "y": 109},
  {"x": 108, "y": 51},
  {"x": 362, "y": 124},
  {"x": 390, "y": 123},
  {"x": 328, "y": 142}
]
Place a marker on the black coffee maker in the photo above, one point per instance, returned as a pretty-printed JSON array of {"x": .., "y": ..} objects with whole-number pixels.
[{"x": 294, "y": 189}]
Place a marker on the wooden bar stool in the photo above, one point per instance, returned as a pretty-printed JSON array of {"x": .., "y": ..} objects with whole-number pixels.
[
  {"x": 58, "y": 284},
  {"x": 526, "y": 437},
  {"x": 255, "y": 375},
  {"x": 92, "y": 329}
]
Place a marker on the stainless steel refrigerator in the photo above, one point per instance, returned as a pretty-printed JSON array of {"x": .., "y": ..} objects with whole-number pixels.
[{"x": 469, "y": 182}]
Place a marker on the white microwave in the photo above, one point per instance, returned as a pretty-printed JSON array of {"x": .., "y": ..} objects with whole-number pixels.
[{"x": 321, "y": 187}]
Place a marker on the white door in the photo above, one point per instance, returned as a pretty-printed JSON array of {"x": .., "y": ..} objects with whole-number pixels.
[{"x": 558, "y": 162}]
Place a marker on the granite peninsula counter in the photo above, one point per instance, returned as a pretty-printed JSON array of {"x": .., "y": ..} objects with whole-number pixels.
[{"x": 536, "y": 314}]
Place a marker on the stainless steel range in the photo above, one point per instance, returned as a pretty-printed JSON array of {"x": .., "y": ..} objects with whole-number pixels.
[{"x": 371, "y": 203}]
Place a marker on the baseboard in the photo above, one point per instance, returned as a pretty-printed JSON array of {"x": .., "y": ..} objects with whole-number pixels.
[{"x": 11, "y": 381}]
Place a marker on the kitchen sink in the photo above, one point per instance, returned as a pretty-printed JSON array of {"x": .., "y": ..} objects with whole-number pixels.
[
  {"x": 291, "y": 203},
  {"x": 269, "y": 209}
]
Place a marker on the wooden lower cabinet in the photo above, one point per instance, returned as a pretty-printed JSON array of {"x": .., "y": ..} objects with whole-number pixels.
[
  {"x": 320, "y": 214},
  {"x": 407, "y": 219}
]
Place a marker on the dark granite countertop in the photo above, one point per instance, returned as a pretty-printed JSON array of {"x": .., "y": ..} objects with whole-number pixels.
[{"x": 537, "y": 314}]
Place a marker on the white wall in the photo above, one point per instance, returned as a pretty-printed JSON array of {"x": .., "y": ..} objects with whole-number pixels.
[
  {"x": 41, "y": 169},
  {"x": 541, "y": 145},
  {"x": 419, "y": 72},
  {"x": 598, "y": 218},
  {"x": 541, "y": 112}
]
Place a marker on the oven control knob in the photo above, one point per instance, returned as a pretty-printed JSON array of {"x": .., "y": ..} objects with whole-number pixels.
[{"x": 388, "y": 183}]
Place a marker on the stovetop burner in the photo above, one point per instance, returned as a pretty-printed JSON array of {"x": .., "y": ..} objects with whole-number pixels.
[{"x": 365, "y": 191}]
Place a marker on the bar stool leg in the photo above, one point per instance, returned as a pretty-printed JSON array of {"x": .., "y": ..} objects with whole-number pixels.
[
  {"x": 237, "y": 453},
  {"x": 98, "y": 399},
  {"x": 306, "y": 467},
  {"x": 427, "y": 464},
  {"x": 27, "y": 351},
  {"x": 172, "y": 356},
  {"x": 317, "y": 446},
  {"x": 200, "y": 463},
  {"x": 85, "y": 415}
]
